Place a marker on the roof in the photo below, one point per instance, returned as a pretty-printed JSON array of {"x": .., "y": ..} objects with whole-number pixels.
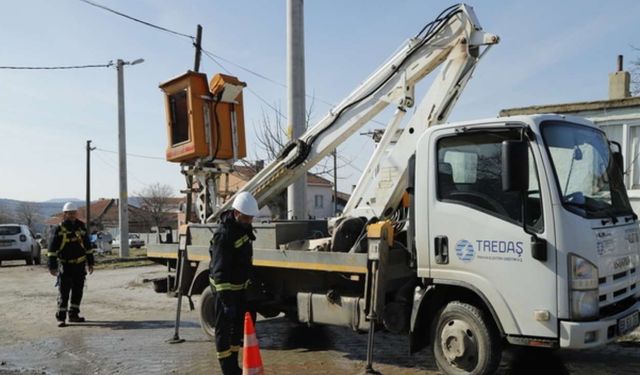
[
  {"x": 344, "y": 197},
  {"x": 102, "y": 210},
  {"x": 573, "y": 107},
  {"x": 246, "y": 173},
  {"x": 96, "y": 209}
]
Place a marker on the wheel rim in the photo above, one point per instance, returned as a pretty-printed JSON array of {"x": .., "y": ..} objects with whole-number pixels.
[{"x": 459, "y": 344}]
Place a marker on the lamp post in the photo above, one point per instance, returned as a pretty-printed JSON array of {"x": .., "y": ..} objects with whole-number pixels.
[{"x": 123, "y": 213}]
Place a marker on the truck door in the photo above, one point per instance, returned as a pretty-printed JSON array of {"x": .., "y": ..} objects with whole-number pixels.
[{"x": 476, "y": 234}]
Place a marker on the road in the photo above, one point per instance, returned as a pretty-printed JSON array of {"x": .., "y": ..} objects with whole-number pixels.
[{"x": 128, "y": 324}]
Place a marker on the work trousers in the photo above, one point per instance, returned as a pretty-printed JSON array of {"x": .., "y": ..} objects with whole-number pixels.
[
  {"x": 229, "y": 324},
  {"x": 70, "y": 281}
]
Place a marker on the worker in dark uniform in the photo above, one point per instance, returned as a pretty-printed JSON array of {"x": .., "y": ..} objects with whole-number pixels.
[
  {"x": 70, "y": 257},
  {"x": 231, "y": 252}
]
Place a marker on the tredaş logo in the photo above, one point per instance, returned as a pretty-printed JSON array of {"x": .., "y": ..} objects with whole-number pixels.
[{"x": 465, "y": 251}]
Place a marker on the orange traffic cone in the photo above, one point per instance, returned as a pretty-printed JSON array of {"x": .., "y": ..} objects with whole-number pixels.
[{"x": 251, "y": 359}]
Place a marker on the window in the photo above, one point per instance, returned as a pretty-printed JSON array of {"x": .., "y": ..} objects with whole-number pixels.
[
  {"x": 9, "y": 230},
  {"x": 179, "y": 117},
  {"x": 319, "y": 200},
  {"x": 589, "y": 182},
  {"x": 470, "y": 174}
]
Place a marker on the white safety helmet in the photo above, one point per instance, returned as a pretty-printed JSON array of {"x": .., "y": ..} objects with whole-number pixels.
[
  {"x": 69, "y": 206},
  {"x": 246, "y": 204}
]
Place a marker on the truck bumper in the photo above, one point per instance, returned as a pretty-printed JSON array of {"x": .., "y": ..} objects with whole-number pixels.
[{"x": 582, "y": 335}]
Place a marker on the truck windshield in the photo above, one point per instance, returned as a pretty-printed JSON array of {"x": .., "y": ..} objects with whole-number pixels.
[{"x": 589, "y": 181}]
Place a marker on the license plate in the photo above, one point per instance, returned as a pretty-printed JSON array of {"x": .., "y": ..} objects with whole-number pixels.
[
  {"x": 5, "y": 243},
  {"x": 628, "y": 323}
]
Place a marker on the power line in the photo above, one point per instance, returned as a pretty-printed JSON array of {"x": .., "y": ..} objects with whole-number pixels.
[
  {"x": 105, "y": 162},
  {"x": 138, "y": 20},
  {"x": 210, "y": 55},
  {"x": 215, "y": 58},
  {"x": 110, "y": 64},
  {"x": 133, "y": 155}
]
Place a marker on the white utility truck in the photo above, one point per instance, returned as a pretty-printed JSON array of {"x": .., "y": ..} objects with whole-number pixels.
[{"x": 465, "y": 236}]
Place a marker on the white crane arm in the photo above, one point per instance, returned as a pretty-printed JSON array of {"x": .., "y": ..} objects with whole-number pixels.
[{"x": 455, "y": 38}]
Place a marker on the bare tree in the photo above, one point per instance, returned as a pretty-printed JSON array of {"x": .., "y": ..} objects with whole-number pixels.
[
  {"x": 635, "y": 74},
  {"x": 28, "y": 213},
  {"x": 155, "y": 199},
  {"x": 5, "y": 218},
  {"x": 272, "y": 136}
]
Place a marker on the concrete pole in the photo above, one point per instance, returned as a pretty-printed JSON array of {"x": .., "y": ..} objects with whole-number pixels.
[
  {"x": 88, "y": 195},
  {"x": 123, "y": 213},
  {"x": 297, "y": 192}
]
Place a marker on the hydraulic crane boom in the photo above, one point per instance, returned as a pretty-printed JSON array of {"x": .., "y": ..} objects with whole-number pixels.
[{"x": 453, "y": 40}]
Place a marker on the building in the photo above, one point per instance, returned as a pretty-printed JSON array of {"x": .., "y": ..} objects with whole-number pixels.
[
  {"x": 618, "y": 117},
  {"x": 104, "y": 217},
  {"x": 320, "y": 202}
]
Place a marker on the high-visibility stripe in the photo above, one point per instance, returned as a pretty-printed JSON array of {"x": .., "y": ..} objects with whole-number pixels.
[
  {"x": 65, "y": 237},
  {"x": 221, "y": 287},
  {"x": 235, "y": 348},
  {"x": 74, "y": 261},
  {"x": 74, "y": 306},
  {"x": 224, "y": 354},
  {"x": 62, "y": 310},
  {"x": 52, "y": 254},
  {"x": 241, "y": 241}
]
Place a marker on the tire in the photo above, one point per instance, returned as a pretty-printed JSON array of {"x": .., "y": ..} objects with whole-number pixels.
[
  {"x": 207, "y": 311},
  {"x": 465, "y": 340},
  {"x": 29, "y": 259}
]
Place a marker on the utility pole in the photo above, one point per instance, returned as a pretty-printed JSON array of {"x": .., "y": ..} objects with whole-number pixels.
[
  {"x": 198, "y": 46},
  {"x": 296, "y": 192},
  {"x": 123, "y": 205},
  {"x": 335, "y": 182},
  {"x": 88, "y": 197}
]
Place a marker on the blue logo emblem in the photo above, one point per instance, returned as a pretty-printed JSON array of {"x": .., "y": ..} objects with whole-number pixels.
[{"x": 465, "y": 251}]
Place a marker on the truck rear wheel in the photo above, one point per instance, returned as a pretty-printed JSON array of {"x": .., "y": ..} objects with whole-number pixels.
[
  {"x": 465, "y": 340},
  {"x": 207, "y": 310}
]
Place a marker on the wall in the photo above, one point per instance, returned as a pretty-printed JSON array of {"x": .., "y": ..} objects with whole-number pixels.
[{"x": 327, "y": 205}]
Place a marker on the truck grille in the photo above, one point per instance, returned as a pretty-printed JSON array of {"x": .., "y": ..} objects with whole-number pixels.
[{"x": 617, "y": 292}]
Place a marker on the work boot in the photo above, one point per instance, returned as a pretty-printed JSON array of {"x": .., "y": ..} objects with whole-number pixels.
[
  {"x": 75, "y": 318},
  {"x": 61, "y": 316}
]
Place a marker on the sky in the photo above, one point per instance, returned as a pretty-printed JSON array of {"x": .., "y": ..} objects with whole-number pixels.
[{"x": 549, "y": 52}]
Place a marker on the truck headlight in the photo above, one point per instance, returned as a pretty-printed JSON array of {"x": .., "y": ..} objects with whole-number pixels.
[
  {"x": 584, "y": 304},
  {"x": 583, "y": 288}
]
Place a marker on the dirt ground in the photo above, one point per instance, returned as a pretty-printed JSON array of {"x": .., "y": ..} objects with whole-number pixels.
[{"x": 128, "y": 324}]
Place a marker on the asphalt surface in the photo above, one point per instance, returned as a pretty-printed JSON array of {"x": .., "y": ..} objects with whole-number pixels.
[{"x": 128, "y": 325}]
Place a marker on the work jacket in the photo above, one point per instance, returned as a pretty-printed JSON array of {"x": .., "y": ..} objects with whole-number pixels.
[
  {"x": 70, "y": 245},
  {"x": 231, "y": 251}
]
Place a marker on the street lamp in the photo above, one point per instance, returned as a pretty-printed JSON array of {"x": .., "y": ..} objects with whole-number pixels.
[{"x": 123, "y": 212}]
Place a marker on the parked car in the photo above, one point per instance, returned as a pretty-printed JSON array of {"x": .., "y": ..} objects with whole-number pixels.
[
  {"x": 134, "y": 241},
  {"x": 17, "y": 241}
]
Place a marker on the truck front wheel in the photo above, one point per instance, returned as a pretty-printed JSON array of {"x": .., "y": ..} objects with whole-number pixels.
[
  {"x": 207, "y": 309},
  {"x": 465, "y": 340}
]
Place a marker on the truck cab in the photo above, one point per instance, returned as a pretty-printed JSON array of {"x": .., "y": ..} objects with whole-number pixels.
[{"x": 530, "y": 214}]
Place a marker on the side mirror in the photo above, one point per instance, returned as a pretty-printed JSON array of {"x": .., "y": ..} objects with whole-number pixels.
[
  {"x": 515, "y": 166},
  {"x": 618, "y": 160},
  {"x": 617, "y": 155}
]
